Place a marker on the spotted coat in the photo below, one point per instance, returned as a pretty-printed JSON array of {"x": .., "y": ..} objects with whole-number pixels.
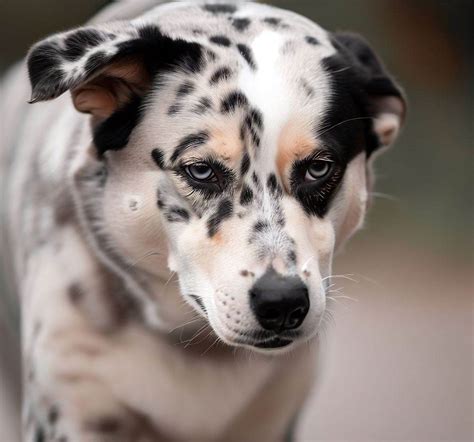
[{"x": 199, "y": 146}]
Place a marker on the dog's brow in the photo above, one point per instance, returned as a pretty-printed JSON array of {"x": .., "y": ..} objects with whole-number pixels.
[{"x": 189, "y": 142}]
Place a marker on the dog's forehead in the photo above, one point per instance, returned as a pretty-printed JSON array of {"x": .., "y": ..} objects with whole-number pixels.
[{"x": 263, "y": 73}]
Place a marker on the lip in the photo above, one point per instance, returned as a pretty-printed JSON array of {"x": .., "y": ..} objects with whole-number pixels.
[{"x": 273, "y": 343}]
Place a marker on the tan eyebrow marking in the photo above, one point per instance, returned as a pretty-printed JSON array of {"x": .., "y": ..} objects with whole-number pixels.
[
  {"x": 225, "y": 141},
  {"x": 296, "y": 142}
]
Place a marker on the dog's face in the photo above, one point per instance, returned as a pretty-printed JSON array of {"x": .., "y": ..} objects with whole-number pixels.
[{"x": 241, "y": 142}]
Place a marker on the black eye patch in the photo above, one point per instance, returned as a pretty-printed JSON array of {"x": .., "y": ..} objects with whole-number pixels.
[{"x": 316, "y": 196}]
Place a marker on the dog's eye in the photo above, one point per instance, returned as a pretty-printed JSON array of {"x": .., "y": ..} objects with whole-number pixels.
[
  {"x": 318, "y": 169},
  {"x": 201, "y": 172}
]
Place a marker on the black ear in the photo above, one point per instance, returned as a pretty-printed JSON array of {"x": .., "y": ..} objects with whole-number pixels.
[
  {"x": 103, "y": 57},
  {"x": 384, "y": 98}
]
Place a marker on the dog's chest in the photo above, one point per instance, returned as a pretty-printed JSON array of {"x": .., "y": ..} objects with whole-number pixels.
[{"x": 187, "y": 396}]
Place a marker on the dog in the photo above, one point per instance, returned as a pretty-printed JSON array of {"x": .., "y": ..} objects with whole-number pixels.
[{"x": 175, "y": 191}]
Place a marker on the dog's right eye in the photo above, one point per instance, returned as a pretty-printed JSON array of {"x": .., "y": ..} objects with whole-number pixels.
[{"x": 201, "y": 172}]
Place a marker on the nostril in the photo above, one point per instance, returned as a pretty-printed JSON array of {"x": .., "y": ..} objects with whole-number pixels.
[{"x": 295, "y": 318}]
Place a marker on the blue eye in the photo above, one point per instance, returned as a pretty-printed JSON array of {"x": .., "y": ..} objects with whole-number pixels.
[
  {"x": 201, "y": 172},
  {"x": 318, "y": 169}
]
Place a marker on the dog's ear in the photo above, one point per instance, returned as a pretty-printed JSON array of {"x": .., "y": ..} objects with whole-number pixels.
[
  {"x": 383, "y": 97},
  {"x": 105, "y": 66}
]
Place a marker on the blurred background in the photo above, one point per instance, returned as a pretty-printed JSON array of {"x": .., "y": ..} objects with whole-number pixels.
[{"x": 399, "y": 357}]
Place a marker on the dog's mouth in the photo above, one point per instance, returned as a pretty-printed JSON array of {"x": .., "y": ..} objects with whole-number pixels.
[
  {"x": 269, "y": 342},
  {"x": 273, "y": 343}
]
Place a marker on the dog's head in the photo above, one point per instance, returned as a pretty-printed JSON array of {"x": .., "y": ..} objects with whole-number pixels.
[{"x": 239, "y": 134}]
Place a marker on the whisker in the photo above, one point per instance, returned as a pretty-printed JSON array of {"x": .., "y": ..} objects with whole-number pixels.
[
  {"x": 196, "y": 319},
  {"x": 341, "y": 70},
  {"x": 338, "y": 290},
  {"x": 146, "y": 255},
  {"x": 384, "y": 196},
  {"x": 198, "y": 333},
  {"x": 343, "y": 122},
  {"x": 170, "y": 278},
  {"x": 347, "y": 276},
  {"x": 345, "y": 297},
  {"x": 212, "y": 345}
]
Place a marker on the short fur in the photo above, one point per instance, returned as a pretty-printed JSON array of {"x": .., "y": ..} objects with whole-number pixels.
[{"x": 134, "y": 277}]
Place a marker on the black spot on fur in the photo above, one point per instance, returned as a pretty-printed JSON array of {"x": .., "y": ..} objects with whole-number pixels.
[
  {"x": 311, "y": 40},
  {"x": 256, "y": 118},
  {"x": 241, "y": 24},
  {"x": 246, "y": 195},
  {"x": 254, "y": 124},
  {"x": 272, "y": 21},
  {"x": 204, "y": 105},
  {"x": 115, "y": 131},
  {"x": 292, "y": 257},
  {"x": 53, "y": 415},
  {"x": 76, "y": 44},
  {"x": 232, "y": 101},
  {"x": 221, "y": 74},
  {"x": 224, "y": 211},
  {"x": 211, "y": 55},
  {"x": 174, "y": 109},
  {"x": 246, "y": 53},
  {"x": 220, "y": 8},
  {"x": 158, "y": 158},
  {"x": 40, "y": 434},
  {"x": 272, "y": 184},
  {"x": 105, "y": 425},
  {"x": 76, "y": 293},
  {"x": 133, "y": 205},
  {"x": 245, "y": 164},
  {"x": 44, "y": 71},
  {"x": 185, "y": 89},
  {"x": 177, "y": 214},
  {"x": 256, "y": 180},
  {"x": 309, "y": 90},
  {"x": 220, "y": 40},
  {"x": 259, "y": 226},
  {"x": 188, "y": 142}
]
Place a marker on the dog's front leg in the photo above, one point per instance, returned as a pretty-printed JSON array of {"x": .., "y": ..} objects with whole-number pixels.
[{"x": 67, "y": 327}]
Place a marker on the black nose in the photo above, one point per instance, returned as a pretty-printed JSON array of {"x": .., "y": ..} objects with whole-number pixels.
[{"x": 279, "y": 302}]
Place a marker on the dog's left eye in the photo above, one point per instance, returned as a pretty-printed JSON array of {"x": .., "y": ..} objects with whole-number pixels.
[
  {"x": 201, "y": 172},
  {"x": 318, "y": 169}
]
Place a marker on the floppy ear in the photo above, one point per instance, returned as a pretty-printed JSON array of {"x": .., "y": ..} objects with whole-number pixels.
[
  {"x": 105, "y": 67},
  {"x": 384, "y": 98}
]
